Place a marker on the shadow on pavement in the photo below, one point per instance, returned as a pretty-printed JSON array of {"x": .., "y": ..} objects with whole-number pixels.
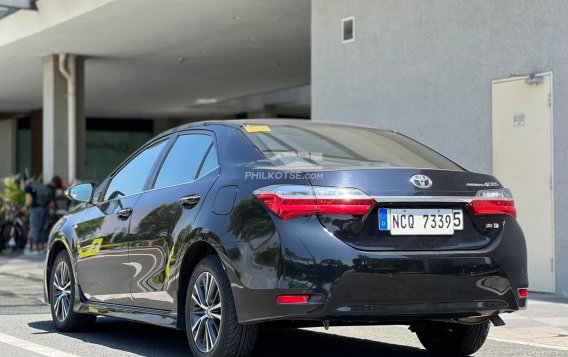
[
  {"x": 149, "y": 340},
  {"x": 296, "y": 342},
  {"x": 127, "y": 336}
]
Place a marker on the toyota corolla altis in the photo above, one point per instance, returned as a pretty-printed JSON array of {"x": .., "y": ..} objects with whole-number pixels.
[{"x": 218, "y": 227}]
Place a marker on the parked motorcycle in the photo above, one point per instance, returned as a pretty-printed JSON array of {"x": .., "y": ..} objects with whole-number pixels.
[{"x": 14, "y": 230}]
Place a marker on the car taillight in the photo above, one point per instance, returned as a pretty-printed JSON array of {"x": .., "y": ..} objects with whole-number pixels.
[
  {"x": 289, "y": 201},
  {"x": 340, "y": 200},
  {"x": 523, "y": 293},
  {"x": 494, "y": 202},
  {"x": 292, "y": 299}
]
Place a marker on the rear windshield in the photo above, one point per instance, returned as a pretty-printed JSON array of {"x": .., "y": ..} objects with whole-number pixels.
[{"x": 326, "y": 145}]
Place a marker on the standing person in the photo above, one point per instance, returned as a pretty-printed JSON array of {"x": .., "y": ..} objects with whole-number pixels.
[
  {"x": 56, "y": 185},
  {"x": 60, "y": 203},
  {"x": 38, "y": 197}
]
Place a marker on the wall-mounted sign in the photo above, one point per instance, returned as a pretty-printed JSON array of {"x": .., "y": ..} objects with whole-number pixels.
[{"x": 519, "y": 120}]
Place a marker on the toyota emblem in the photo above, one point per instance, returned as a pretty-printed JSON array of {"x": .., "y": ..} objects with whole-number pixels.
[{"x": 421, "y": 181}]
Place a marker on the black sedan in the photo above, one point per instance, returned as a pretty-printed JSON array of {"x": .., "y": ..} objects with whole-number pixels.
[{"x": 218, "y": 227}]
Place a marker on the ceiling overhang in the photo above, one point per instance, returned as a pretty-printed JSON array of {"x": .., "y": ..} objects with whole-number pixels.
[{"x": 181, "y": 60}]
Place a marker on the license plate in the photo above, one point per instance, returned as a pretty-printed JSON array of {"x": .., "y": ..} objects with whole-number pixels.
[{"x": 420, "y": 221}]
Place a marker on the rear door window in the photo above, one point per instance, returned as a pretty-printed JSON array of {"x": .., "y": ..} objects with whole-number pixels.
[
  {"x": 190, "y": 155},
  {"x": 210, "y": 162},
  {"x": 132, "y": 177}
]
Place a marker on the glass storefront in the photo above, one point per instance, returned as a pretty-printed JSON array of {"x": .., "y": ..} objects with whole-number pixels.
[
  {"x": 107, "y": 149},
  {"x": 24, "y": 146},
  {"x": 108, "y": 143}
]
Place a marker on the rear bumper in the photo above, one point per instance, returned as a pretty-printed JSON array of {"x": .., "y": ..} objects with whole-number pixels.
[
  {"x": 369, "y": 297},
  {"x": 350, "y": 285},
  {"x": 421, "y": 295}
]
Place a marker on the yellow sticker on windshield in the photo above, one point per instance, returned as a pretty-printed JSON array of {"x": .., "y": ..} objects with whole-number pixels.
[{"x": 256, "y": 128}]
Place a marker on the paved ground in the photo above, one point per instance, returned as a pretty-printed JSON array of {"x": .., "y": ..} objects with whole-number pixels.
[{"x": 26, "y": 330}]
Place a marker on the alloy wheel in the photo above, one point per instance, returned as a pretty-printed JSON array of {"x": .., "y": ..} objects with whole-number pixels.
[
  {"x": 205, "y": 312},
  {"x": 61, "y": 291}
]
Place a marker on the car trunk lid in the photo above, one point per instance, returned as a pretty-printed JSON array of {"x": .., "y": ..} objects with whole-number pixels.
[{"x": 433, "y": 192}]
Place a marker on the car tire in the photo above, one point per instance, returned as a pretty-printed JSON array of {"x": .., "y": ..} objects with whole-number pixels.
[
  {"x": 62, "y": 296},
  {"x": 22, "y": 237},
  {"x": 4, "y": 236},
  {"x": 211, "y": 322},
  {"x": 450, "y": 339}
]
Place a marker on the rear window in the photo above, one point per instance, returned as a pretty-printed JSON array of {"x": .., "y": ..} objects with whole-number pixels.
[{"x": 325, "y": 145}]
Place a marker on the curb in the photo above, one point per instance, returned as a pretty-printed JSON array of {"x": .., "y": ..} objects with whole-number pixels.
[{"x": 33, "y": 277}]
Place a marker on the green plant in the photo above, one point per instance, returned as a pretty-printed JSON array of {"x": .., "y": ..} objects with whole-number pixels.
[{"x": 11, "y": 193}]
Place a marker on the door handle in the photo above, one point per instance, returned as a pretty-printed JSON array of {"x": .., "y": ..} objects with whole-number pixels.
[
  {"x": 123, "y": 214},
  {"x": 190, "y": 201}
]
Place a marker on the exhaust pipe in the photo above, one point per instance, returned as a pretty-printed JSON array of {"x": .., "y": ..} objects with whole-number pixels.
[{"x": 495, "y": 320}]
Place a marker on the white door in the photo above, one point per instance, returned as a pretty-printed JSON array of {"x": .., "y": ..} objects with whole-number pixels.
[{"x": 522, "y": 161}]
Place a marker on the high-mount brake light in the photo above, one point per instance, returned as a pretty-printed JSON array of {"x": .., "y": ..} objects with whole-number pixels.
[
  {"x": 494, "y": 202},
  {"x": 289, "y": 201}
]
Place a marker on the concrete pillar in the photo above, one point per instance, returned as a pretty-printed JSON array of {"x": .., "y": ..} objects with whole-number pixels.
[
  {"x": 8, "y": 130},
  {"x": 59, "y": 153},
  {"x": 81, "y": 119},
  {"x": 36, "y": 124}
]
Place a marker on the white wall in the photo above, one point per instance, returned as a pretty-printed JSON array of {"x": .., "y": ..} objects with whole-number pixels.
[{"x": 424, "y": 68}]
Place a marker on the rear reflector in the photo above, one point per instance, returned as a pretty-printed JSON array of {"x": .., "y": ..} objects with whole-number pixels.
[
  {"x": 289, "y": 201},
  {"x": 292, "y": 299},
  {"x": 494, "y": 202},
  {"x": 523, "y": 293}
]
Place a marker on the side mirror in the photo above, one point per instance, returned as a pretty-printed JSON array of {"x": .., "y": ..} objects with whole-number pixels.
[{"x": 82, "y": 192}]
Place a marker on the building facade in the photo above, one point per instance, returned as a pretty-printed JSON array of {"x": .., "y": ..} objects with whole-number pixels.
[{"x": 483, "y": 82}]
